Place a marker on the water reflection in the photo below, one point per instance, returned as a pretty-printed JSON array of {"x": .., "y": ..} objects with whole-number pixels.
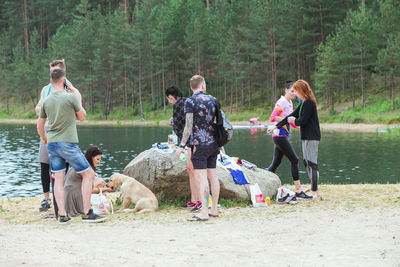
[{"x": 343, "y": 157}]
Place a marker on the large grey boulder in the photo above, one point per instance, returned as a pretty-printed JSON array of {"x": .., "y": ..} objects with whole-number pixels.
[{"x": 164, "y": 173}]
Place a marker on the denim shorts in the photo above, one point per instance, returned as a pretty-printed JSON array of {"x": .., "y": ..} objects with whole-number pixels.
[{"x": 60, "y": 153}]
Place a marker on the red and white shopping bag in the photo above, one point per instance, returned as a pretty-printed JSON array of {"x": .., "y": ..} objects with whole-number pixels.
[{"x": 257, "y": 197}]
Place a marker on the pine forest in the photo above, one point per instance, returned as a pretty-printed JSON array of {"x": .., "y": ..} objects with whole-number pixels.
[{"x": 122, "y": 55}]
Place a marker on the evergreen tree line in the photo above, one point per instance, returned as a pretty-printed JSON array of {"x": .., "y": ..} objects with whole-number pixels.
[{"x": 123, "y": 54}]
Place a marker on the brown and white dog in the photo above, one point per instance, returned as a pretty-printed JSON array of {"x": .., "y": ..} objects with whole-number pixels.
[{"x": 133, "y": 191}]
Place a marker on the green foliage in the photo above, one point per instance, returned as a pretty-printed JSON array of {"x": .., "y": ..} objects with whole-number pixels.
[
  {"x": 378, "y": 110},
  {"x": 122, "y": 59}
]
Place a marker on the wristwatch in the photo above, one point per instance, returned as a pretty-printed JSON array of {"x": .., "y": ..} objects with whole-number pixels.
[{"x": 182, "y": 146}]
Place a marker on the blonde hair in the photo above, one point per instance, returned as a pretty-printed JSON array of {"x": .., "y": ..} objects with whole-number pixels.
[
  {"x": 196, "y": 81},
  {"x": 304, "y": 90},
  {"x": 58, "y": 63}
]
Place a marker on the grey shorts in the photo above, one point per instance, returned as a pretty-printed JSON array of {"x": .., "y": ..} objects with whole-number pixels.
[{"x": 43, "y": 155}]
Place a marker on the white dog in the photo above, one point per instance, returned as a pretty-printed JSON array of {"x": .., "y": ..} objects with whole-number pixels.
[{"x": 133, "y": 191}]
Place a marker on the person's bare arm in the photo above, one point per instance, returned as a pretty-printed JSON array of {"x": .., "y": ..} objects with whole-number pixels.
[
  {"x": 96, "y": 190},
  {"x": 37, "y": 108},
  {"x": 81, "y": 114},
  {"x": 71, "y": 89},
  {"x": 40, "y": 130}
]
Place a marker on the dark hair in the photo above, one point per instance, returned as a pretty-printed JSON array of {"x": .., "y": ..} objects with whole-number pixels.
[
  {"x": 174, "y": 91},
  {"x": 288, "y": 84},
  {"x": 58, "y": 63},
  {"x": 57, "y": 74},
  {"x": 91, "y": 152}
]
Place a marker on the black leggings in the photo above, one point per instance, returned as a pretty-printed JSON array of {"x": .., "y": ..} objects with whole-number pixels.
[
  {"x": 284, "y": 148},
  {"x": 45, "y": 176}
]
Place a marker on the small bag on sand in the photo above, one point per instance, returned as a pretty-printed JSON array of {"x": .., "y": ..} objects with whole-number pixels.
[
  {"x": 100, "y": 204},
  {"x": 257, "y": 197}
]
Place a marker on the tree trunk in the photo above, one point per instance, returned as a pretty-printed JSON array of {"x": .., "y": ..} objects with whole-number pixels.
[
  {"x": 162, "y": 69},
  {"x": 330, "y": 97},
  {"x": 7, "y": 103},
  {"x": 5, "y": 82},
  {"x": 132, "y": 84},
  {"x": 298, "y": 51},
  {"x": 125, "y": 6},
  {"x": 25, "y": 21},
  {"x": 125, "y": 89},
  {"x": 321, "y": 21},
  {"x": 249, "y": 92},
  {"x": 392, "y": 88},
  {"x": 243, "y": 94},
  {"x": 41, "y": 35},
  {"x": 225, "y": 88},
  {"x": 140, "y": 85},
  {"x": 198, "y": 57},
  {"x": 231, "y": 100},
  {"x": 343, "y": 86},
  {"x": 153, "y": 94},
  {"x": 91, "y": 102},
  {"x": 273, "y": 62},
  {"x": 363, "y": 89},
  {"x": 353, "y": 94},
  {"x": 236, "y": 95},
  {"x": 48, "y": 32},
  {"x": 107, "y": 99},
  {"x": 303, "y": 65}
]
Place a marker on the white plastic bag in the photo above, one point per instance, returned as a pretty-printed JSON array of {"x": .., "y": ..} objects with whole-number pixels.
[
  {"x": 257, "y": 197},
  {"x": 100, "y": 204}
]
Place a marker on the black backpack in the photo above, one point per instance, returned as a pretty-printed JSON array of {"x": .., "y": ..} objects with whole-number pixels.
[{"x": 223, "y": 129}]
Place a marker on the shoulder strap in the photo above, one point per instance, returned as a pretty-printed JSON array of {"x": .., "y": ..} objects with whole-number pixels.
[
  {"x": 301, "y": 106},
  {"x": 218, "y": 115}
]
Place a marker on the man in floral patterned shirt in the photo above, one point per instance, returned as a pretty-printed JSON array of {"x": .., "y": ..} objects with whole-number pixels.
[{"x": 200, "y": 114}]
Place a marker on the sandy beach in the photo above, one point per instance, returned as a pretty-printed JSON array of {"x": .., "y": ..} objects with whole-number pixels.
[{"x": 351, "y": 225}]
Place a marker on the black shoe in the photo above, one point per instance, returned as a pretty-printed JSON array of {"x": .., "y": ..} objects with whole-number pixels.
[
  {"x": 64, "y": 219},
  {"x": 197, "y": 207},
  {"x": 45, "y": 205},
  {"x": 302, "y": 195},
  {"x": 92, "y": 217}
]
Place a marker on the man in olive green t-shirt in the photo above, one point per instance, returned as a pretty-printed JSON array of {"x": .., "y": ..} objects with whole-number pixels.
[{"x": 61, "y": 109}]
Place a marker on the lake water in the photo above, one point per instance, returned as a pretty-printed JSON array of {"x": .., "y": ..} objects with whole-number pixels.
[{"x": 343, "y": 157}]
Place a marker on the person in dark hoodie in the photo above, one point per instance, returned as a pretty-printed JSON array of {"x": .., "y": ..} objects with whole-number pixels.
[{"x": 306, "y": 117}]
